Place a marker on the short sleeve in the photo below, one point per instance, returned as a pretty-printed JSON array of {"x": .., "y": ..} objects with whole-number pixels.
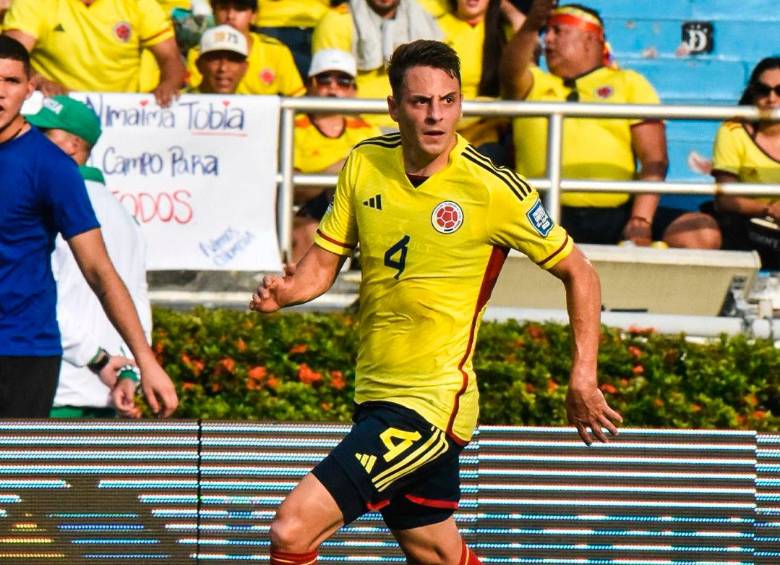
[
  {"x": 333, "y": 32},
  {"x": 726, "y": 153},
  {"x": 517, "y": 218},
  {"x": 639, "y": 91},
  {"x": 290, "y": 82},
  {"x": 28, "y": 16},
  {"x": 154, "y": 26},
  {"x": 337, "y": 232},
  {"x": 67, "y": 198}
]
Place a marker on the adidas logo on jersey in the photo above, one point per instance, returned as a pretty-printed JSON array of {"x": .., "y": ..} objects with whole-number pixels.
[
  {"x": 367, "y": 461},
  {"x": 374, "y": 202},
  {"x": 59, "y": 28}
]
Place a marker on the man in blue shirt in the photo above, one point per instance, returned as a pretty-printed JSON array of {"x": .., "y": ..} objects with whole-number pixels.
[{"x": 42, "y": 194}]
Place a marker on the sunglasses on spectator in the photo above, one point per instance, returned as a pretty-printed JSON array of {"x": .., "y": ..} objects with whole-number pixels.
[
  {"x": 326, "y": 79},
  {"x": 762, "y": 89}
]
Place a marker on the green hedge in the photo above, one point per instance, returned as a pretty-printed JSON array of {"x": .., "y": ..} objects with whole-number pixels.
[{"x": 291, "y": 366}]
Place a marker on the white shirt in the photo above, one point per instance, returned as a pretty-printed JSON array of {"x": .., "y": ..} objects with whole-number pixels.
[{"x": 83, "y": 323}]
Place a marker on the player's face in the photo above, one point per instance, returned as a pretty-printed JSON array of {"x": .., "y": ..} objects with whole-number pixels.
[
  {"x": 566, "y": 46},
  {"x": 15, "y": 88},
  {"x": 427, "y": 110},
  {"x": 230, "y": 14},
  {"x": 767, "y": 98},
  {"x": 72, "y": 145},
  {"x": 222, "y": 71},
  {"x": 472, "y": 9}
]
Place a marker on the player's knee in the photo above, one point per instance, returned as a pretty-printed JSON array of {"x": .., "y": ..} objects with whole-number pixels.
[{"x": 289, "y": 533}]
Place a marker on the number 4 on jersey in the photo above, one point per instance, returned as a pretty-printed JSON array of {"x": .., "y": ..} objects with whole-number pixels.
[{"x": 399, "y": 248}]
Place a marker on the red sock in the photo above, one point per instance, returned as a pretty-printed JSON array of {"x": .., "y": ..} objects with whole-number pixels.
[
  {"x": 468, "y": 557},
  {"x": 285, "y": 558}
]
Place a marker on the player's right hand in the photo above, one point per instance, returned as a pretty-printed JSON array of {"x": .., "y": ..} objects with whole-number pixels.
[{"x": 266, "y": 298}]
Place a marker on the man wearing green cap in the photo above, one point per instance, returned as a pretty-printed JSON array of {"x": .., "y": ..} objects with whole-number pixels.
[{"x": 91, "y": 345}]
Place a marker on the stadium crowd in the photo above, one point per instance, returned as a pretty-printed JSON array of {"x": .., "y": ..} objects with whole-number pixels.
[{"x": 342, "y": 49}]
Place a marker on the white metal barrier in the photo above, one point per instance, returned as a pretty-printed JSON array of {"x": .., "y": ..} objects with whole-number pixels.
[{"x": 553, "y": 184}]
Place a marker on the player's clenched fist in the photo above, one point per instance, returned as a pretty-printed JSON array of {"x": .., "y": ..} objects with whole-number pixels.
[{"x": 266, "y": 297}]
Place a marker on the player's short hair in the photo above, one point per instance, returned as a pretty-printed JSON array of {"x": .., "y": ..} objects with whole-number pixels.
[
  {"x": 12, "y": 49},
  {"x": 421, "y": 53},
  {"x": 245, "y": 4}
]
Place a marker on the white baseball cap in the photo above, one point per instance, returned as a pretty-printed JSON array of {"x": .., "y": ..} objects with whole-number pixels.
[
  {"x": 332, "y": 60},
  {"x": 223, "y": 38}
]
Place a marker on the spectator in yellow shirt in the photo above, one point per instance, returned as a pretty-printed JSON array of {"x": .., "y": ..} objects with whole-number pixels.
[
  {"x": 371, "y": 30},
  {"x": 475, "y": 30},
  {"x": 750, "y": 152},
  {"x": 606, "y": 149},
  {"x": 222, "y": 62},
  {"x": 271, "y": 69},
  {"x": 96, "y": 46},
  {"x": 323, "y": 140}
]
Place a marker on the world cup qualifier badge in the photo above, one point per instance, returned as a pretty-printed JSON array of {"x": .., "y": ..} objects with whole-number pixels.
[
  {"x": 447, "y": 217},
  {"x": 539, "y": 219}
]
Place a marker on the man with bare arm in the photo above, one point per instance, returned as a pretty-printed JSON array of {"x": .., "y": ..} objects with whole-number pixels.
[{"x": 435, "y": 220}]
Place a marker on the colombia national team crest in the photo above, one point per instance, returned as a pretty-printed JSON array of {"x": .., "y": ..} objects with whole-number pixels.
[
  {"x": 123, "y": 31},
  {"x": 447, "y": 217}
]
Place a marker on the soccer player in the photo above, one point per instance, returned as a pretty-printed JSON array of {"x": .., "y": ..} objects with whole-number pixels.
[{"x": 435, "y": 221}]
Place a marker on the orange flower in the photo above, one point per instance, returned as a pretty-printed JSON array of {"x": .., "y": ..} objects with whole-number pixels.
[
  {"x": 240, "y": 345},
  {"x": 272, "y": 382},
  {"x": 634, "y": 351},
  {"x": 216, "y": 387},
  {"x": 188, "y": 386},
  {"x": 256, "y": 374},
  {"x": 227, "y": 363},
  {"x": 638, "y": 370},
  {"x": 536, "y": 332},
  {"x": 530, "y": 388},
  {"x": 636, "y": 330},
  {"x": 608, "y": 388},
  {"x": 695, "y": 407},
  {"x": 326, "y": 406},
  {"x": 759, "y": 414},
  {"x": 337, "y": 380},
  {"x": 308, "y": 376},
  {"x": 552, "y": 386},
  {"x": 194, "y": 365},
  {"x": 159, "y": 347},
  {"x": 299, "y": 348},
  {"x": 658, "y": 402}
]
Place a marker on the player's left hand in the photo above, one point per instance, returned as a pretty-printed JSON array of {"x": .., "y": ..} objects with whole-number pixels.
[
  {"x": 166, "y": 93},
  {"x": 586, "y": 409}
]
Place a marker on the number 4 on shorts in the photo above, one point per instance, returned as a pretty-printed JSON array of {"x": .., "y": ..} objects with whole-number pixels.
[{"x": 399, "y": 248}]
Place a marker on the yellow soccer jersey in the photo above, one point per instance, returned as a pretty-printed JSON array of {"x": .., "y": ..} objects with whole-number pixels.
[
  {"x": 467, "y": 41},
  {"x": 430, "y": 257},
  {"x": 315, "y": 152},
  {"x": 271, "y": 69},
  {"x": 291, "y": 13},
  {"x": 736, "y": 152},
  {"x": 90, "y": 48},
  {"x": 592, "y": 148}
]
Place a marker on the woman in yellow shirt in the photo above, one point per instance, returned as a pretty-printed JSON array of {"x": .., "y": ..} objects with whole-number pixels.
[
  {"x": 475, "y": 29},
  {"x": 750, "y": 152}
]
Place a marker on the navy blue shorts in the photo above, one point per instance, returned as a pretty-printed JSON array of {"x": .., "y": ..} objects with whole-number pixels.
[{"x": 395, "y": 462}]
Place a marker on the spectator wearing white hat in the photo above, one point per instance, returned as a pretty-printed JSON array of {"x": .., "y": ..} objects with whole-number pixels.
[
  {"x": 323, "y": 140},
  {"x": 222, "y": 61}
]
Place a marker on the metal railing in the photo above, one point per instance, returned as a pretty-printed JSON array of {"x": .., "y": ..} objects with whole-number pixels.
[{"x": 552, "y": 185}]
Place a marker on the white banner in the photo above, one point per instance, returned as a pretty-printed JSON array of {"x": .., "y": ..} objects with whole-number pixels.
[{"x": 199, "y": 176}]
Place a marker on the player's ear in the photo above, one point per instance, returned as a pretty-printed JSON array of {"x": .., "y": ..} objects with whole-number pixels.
[{"x": 392, "y": 107}]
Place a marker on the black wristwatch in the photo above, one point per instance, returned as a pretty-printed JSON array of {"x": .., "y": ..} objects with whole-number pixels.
[{"x": 99, "y": 361}]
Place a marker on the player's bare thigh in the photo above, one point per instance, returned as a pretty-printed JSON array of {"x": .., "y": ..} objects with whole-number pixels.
[
  {"x": 435, "y": 544},
  {"x": 306, "y": 518}
]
